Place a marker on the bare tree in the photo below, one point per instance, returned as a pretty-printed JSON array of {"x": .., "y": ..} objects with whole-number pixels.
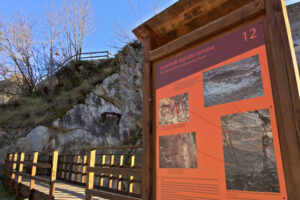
[
  {"x": 74, "y": 24},
  {"x": 18, "y": 47},
  {"x": 68, "y": 26}
]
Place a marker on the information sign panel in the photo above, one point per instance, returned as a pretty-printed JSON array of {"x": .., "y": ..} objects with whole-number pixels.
[{"x": 216, "y": 132}]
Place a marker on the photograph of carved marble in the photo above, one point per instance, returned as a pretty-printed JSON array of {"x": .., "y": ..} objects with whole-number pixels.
[
  {"x": 233, "y": 82},
  {"x": 249, "y": 151},
  {"x": 178, "y": 151},
  {"x": 174, "y": 109}
]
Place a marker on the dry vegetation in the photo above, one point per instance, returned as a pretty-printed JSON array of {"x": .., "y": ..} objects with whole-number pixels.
[{"x": 75, "y": 83}]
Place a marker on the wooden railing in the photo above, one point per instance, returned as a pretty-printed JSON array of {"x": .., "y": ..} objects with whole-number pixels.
[
  {"x": 117, "y": 172},
  {"x": 112, "y": 172},
  {"x": 72, "y": 168},
  {"x": 16, "y": 162}
]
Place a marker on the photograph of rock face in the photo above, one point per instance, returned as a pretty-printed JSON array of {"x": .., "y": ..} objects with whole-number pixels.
[
  {"x": 233, "y": 82},
  {"x": 178, "y": 151},
  {"x": 174, "y": 109},
  {"x": 249, "y": 152}
]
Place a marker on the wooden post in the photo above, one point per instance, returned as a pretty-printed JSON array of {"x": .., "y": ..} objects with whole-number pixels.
[
  {"x": 83, "y": 169},
  {"x": 13, "y": 174},
  {"x": 8, "y": 168},
  {"x": 120, "y": 176},
  {"x": 60, "y": 166},
  {"x": 71, "y": 168},
  {"x": 66, "y": 160},
  {"x": 90, "y": 175},
  {"x": 19, "y": 180},
  {"x": 112, "y": 162},
  {"x": 77, "y": 168},
  {"x": 284, "y": 80},
  {"x": 102, "y": 174},
  {"x": 147, "y": 125},
  {"x": 53, "y": 174},
  {"x": 33, "y": 173},
  {"x": 132, "y": 165}
]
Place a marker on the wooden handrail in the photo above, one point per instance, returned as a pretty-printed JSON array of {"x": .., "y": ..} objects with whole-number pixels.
[
  {"x": 15, "y": 164},
  {"x": 119, "y": 147},
  {"x": 117, "y": 171},
  {"x": 112, "y": 171}
]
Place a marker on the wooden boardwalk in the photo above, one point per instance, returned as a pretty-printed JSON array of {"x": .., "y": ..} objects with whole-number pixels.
[
  {"x": 64, "y": 190},
  {"x": 105, "y": 173}
]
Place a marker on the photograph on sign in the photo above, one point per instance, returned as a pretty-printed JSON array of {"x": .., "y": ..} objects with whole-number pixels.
[
  {"x": 178, "y": 151},
  {"x": 249, "y": 149},
  {"x": 233, "y": 82},
  {"x": 174, "y": 109}
]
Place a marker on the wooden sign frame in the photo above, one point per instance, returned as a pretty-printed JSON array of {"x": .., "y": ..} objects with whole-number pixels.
[{"x": 181, "y": 26}]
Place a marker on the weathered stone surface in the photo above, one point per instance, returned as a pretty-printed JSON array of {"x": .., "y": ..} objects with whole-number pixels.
[
  {"x": 294, "y": 18},
  {"x": 249, "y": 152},
  {"x": 233, "y": 82},
  {"x": 178, "y": 151}
]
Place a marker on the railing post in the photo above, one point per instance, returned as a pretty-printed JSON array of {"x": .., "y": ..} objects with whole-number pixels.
[
  {"x": 102, "y": 174},
  {"x": 77, "y": 168},
  {"x": 53, "y": 174},
  {"x": 90, "y": 175},
  {"x": 13, "y": 173},
  {"x": 19, "y": 180},
  {"x": 112, "y": 162},
  {"x": 71, "y": 168},
  {"x": 120, "y": 176},
  {"x": 66, "y": 160},
  {"x": 8, "y": 166},
  {"x": 84, "y": 163},
  {"x": 131, "y": 177},
  {"x": 60, "y": 166},
  {"x": 33, "y": 173}
]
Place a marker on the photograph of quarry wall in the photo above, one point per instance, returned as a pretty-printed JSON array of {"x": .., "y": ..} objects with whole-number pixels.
[
  {"x": 249, "y": 151},
  {"x": 233, "y": 82},
  {"x": 178, "y": 151},
  {"x": 174, "y": 109}
]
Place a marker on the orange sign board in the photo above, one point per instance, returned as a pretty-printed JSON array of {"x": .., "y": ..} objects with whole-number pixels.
[{"x": 216, "y": 133}]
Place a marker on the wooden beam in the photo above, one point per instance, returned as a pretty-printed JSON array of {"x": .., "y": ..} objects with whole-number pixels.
[
  {"x": 84, "y": 162},
  {"x": 53, "y": 174},
  {"x": 77, "y": 168},
  {"x": 283, "y": 80},
  {"x": 147, "y": 123},
  {"x": 38, "y": 165},
  {"x": 123, "y": 171},
  {"x": 184, "y": 17},
  {"x": 90, "y": 174},
  {"x": 248, "y": 11},
  {"x": 19, "y": 180},
  {"x": 13, "y": 174},
  {"x": 33, "y": 173},
  {"x": 109, "y": 195}
]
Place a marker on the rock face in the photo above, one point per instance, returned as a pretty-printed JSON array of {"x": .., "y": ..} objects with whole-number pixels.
[
  {"x": 110, "y": 115},
  {"x": 10, "y": 87},
  {"x": 294, "y": 18}
]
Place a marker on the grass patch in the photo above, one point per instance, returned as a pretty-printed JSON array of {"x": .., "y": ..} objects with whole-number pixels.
[
  {"x": 4, "y": 195},
  {"x": 75, "y": 83}
]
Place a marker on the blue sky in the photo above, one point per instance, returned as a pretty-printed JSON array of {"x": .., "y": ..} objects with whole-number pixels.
[{"x": 110, "y": 17}]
